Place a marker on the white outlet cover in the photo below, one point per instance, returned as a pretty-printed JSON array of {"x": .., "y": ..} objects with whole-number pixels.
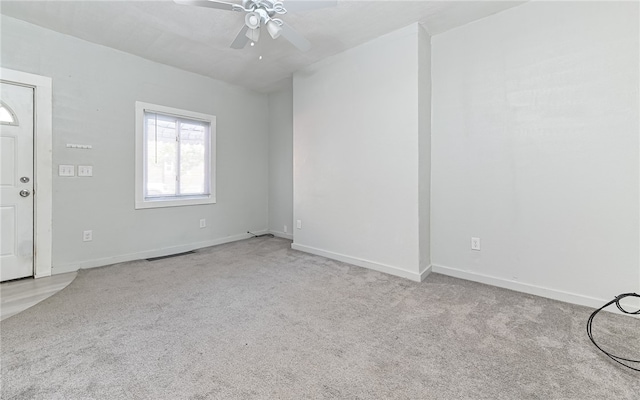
[
  {"x": 87, "y": 236},
  {"x": 85, "y": 170},
  {"x": 475, "y": 243},
  {"x": 66, "y": 170},
  {"x": 299, "y": 224}
]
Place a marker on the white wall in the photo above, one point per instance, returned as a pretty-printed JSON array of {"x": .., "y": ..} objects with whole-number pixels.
[
  {"x": 94, "y": 93},
  {"x": 281, "y": 162},
  {"x": 535, "y": 150},
  {"x": 356, "y": 158},
  {"x": 424, "y": 147}
]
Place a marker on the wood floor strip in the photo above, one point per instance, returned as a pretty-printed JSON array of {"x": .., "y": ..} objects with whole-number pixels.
[{"x": 17, "y": 296}]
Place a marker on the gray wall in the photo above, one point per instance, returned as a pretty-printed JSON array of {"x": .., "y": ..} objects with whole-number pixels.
[
  {"x": 94, "y": 92},
  {"x": 535, "y": 150},
  {"x": 281, "y": 162},
  {"x": 356, "y": 156},
  {"x": 424, "y": 147}
]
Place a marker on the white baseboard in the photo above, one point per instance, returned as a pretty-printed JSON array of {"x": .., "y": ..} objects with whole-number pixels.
[
  {"x": 554, "y": 294},
  {"x": 100, "y": 262},
  {"x": 387, "y": 269},
  {"x": 425, "y": 272},
  {"x": 281, "y": 234}
]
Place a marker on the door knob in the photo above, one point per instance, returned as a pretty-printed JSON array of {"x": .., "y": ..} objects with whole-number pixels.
[{"x": 25, "y": 193}]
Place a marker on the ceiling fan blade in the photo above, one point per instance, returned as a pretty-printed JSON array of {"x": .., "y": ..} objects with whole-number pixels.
[
  {"x": 304, "y": 5},
  {"x": 241, "y": 40},
  {"x": 220, "y": 5},
  {"x": 294, "y": 37}
]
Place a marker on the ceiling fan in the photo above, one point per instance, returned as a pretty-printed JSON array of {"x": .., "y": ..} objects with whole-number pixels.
[{"x": 262, "y": 13}]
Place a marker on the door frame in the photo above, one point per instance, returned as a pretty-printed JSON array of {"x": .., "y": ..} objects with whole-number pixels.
[{"x": 43, "y": 165}]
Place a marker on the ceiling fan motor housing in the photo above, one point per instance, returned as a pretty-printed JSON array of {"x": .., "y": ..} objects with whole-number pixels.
[{"x": 270, "y": 7}]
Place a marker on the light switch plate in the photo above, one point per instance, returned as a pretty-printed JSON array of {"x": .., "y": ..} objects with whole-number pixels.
[
  {"x": 66, "y": 170},
  {"x": 85, "y": 170}
]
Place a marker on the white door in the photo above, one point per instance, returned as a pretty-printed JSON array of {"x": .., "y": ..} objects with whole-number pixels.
[{"x": 16, "y": 181}]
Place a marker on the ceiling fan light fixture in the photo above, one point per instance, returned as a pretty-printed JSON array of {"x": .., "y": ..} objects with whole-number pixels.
[
  {"x": 262, "y": 12},
  {"x": 253, "y": 34},
  {"x": 274, "y": 29},
  {"x": 252, "y": 20}
]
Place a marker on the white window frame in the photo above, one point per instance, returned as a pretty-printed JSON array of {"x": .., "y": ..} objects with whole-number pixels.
[{"x": 187, "y": 200}]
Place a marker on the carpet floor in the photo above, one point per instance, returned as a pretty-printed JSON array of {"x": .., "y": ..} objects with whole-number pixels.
[{"x": 256, "y": 320}]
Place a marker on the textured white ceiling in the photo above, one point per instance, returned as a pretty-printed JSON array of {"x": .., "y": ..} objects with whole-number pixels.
[{"x": 197, "y": 39}]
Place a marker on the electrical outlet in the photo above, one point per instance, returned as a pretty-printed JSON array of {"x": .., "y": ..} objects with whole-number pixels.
[
  {"x": 475, "y": 243},
  {"x": 203, "y": 223},
  {"x": 87, "y": 236},
  {"x": 299, "y": 224},
  {"x": 285, "y": 229}
]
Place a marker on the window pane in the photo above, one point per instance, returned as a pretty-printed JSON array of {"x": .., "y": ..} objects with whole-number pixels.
[
  {"x": 173, "y": 167},
  {"x": 193, "y": 156},
  {"x": 7, "y": 116},
  {"x": 162, "y": 152}
]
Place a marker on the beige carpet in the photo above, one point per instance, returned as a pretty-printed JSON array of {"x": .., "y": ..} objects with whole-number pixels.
[{"x": 257, "y": 320}]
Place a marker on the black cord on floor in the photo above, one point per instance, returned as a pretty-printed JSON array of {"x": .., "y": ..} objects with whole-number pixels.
[
  {"x": 263, "y": 235},
  {"x": 618, "y": 359}
]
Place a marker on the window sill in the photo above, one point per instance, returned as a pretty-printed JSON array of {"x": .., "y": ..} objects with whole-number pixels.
[{"x": 170, "y": 202}]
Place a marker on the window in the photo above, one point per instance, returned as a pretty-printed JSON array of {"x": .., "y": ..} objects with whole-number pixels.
[
  {"x": 175, "y": 157},
  {"x": 7, "y": 116}
]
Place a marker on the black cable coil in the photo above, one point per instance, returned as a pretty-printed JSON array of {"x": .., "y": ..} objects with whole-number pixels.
[
  {"x": 271, "y": 235},
  {"x": 618, "y": 359}
]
